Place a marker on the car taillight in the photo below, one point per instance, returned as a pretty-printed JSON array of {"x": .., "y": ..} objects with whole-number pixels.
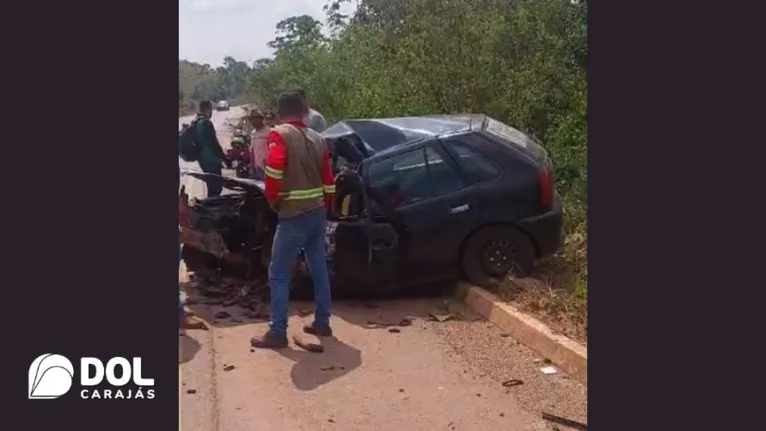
[{"x": 546, "y": 188}]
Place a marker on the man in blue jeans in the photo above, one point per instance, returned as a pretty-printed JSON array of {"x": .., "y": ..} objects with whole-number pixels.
[{"x": 299, "y": 185}]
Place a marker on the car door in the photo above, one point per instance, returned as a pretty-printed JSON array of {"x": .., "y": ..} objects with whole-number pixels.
[
  {"x": 431, "y": 206},
  {"x": 365, "y": 253}
]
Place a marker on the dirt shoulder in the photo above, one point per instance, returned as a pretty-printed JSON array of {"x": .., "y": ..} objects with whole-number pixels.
[{"x": 550, "y": 297}]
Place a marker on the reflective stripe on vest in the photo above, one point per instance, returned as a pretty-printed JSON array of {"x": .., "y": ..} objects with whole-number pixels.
[
  {"x": 274, "y": 173},
  {"x": 294, "y": 195}
]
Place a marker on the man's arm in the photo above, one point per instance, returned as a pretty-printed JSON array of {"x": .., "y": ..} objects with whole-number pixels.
[
  {"x": 328, "y": 179},
  {"x": 276, "y": 161}
]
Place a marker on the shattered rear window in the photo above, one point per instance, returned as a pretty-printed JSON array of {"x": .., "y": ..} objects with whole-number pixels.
[{"x": 507, "y": 133}]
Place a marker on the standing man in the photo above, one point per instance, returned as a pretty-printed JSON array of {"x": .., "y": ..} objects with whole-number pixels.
[
  {"x": 211, "y": 156},
  {"x": 258, "y": 143},
  {"x": 312, "y": 118},
  {"x": 299, "y": 186}
]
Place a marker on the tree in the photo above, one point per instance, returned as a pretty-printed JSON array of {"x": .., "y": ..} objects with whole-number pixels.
[{"x": 297, "y": 32}]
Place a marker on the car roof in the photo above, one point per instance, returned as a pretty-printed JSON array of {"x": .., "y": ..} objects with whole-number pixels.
[{"x": 381, "y": 134}]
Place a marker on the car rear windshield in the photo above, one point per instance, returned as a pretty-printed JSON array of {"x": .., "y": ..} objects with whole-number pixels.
[{"x": 507, "y": 134}]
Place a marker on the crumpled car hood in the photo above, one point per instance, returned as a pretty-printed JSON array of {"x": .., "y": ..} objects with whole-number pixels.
[{"x": 243, "y": 185}]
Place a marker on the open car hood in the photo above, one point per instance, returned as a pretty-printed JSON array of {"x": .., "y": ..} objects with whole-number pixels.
[
  {"x": 379, "y": 134},
  {"x": 242, "y": 185}
]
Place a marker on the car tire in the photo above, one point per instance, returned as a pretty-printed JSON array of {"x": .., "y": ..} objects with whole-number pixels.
[{"x": 495, "y": 251}]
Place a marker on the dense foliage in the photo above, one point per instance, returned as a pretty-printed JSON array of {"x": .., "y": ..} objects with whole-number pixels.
[
  {"x": 201, "y": 82},
  {"x": 521, "y": 61}
]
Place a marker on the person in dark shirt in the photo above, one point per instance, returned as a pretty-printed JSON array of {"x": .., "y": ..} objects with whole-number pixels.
[{"x": 211, "y": 156}]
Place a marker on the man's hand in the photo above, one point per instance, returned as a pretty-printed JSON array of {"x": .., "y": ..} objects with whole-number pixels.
[{"x": 274, "y": 204}]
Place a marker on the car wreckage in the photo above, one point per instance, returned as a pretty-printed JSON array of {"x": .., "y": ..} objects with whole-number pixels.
[{"x": 419, "y": 200}]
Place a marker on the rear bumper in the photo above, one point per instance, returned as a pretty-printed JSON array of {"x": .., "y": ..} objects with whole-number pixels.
[{"x": 546, "y": 230}]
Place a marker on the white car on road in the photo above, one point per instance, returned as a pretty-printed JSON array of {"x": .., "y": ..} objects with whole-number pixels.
[{"x": 223, "y": 105}]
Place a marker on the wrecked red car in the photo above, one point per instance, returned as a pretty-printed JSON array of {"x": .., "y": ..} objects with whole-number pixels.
[{"x": 420, "y": 200}]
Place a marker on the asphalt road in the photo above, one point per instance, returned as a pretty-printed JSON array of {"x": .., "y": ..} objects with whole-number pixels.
[
  {"x": 429, "y": 376},
  {"x": 196, "y": 188}
]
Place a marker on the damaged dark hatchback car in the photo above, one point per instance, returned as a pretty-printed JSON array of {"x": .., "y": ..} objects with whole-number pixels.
[{"x": 420, "y": 200}]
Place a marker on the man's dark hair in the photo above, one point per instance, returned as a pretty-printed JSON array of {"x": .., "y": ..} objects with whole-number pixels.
[
  {"x": 301, "y": 92},
  {"x": 205, "y": 105},
  {"x": 290, "y": 105}
]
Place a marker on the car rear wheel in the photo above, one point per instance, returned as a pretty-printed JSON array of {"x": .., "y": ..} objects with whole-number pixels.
[{"x": 496, "y": 251}]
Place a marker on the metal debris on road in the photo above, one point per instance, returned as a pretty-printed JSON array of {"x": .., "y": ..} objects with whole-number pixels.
[
  {"x": 222, "y": 315},
  {"x": 565, "y": 422},
  {"x": 229, "y": 367},
  {"x": 441, "y": 317},
  {"x": 394, "y": 330},
  {"x": 308, "y": 346},
  {"x": 549, "y": 370},
  {"x": 332, "y": 367},
  {"x": 191, "y": 391},
  {"x": 513, "y": 382}
]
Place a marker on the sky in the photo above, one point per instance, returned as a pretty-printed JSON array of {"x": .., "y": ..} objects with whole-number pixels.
[{"x": 210, "y": 30}]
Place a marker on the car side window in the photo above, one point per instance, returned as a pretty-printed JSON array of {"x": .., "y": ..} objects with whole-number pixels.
[
  {"x": 443, "y": 177},
  {"x": 476, "y": 165},
  {"x": 401, "y": 179}
]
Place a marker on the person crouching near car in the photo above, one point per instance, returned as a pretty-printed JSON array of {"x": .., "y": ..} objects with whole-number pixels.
[
  {"x": 258, "y": 143},
  {"x": 299, "y": 186}
]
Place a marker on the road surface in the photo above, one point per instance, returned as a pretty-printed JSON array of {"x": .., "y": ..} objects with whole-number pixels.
[
  {"x": 196, "y": 188},
  {"x": 429, "y": 376}
]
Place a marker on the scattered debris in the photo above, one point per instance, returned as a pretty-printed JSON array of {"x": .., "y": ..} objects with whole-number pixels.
[
  {"x": 332, "y": 421},
  {"x": 407, "y": 321},
  {"x": 549, "y": 370},
  {"x": 308, "y": 346},
  {"x": 502, "y": 415},
  {"x": 394, "y": 330},
  {"x": 478, "y": 395},
  {"x": 191, "y": 391},
  {"x": 504, "y": 335},
  {"x": 565, "y": 422},
  {"x": 222, "y": 315},
  {"x": 229, "y": 302},
  {"x": 332, "y": 367},
  {"x": 513, "y": 382},
  {"x": 441, "y": 317},
  {"x": 401, "y": 390},
  {"x": 229, "y": 367}
]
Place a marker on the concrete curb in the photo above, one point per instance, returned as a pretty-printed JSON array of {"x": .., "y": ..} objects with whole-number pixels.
[{"x": 569, "y": 356}]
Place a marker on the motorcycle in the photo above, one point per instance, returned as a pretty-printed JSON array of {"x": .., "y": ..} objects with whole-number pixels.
[{"x": 239, "y": 154}]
